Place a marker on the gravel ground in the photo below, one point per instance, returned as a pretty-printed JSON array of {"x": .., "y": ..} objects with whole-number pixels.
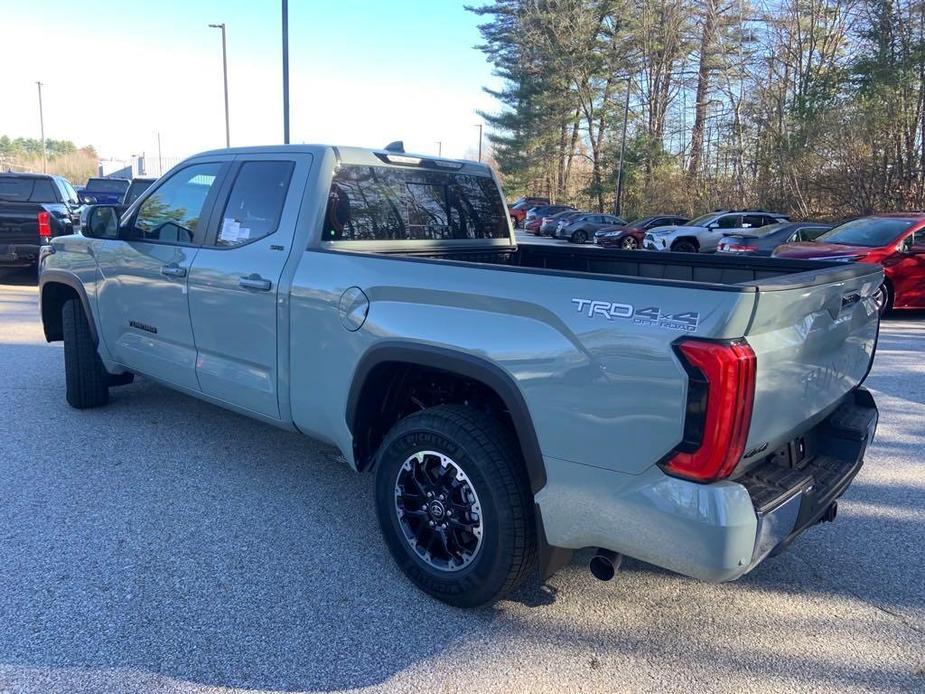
[{"x": 163, "y": 544}]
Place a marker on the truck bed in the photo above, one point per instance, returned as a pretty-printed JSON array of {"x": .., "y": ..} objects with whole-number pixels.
[{"x": 730, "y": 272}]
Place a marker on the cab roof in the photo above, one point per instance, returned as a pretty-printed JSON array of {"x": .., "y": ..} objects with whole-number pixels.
[{"x": 362, "y": 156}]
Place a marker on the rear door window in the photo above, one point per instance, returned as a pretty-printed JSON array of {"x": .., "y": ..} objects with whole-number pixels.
[
  {"x": 379, "y": 203},
  {"x": 255, "y": 203}
]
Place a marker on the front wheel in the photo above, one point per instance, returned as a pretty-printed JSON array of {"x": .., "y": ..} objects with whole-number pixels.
[
  {"x": 629, "y": 244},
  {"x": 87, "y": 383},
  {"x": 579, "y": 236},
  {"x": 454, "y": 504}
]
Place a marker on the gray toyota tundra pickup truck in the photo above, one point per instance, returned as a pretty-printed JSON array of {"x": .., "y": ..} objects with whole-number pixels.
[{"x": 514, "y": 402}]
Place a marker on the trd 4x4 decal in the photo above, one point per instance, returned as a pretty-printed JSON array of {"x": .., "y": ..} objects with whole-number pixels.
[{"x": 686, "y": 321}]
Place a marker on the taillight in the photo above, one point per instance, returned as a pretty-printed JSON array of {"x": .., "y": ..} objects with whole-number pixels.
[
  {"x": 720, "y": 396},
  {"x": 44, "y": 220},
  {"x": 740, "y": 248}
]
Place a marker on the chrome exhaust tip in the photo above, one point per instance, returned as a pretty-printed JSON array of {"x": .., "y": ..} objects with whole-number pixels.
[{"x": 604, "y": 564}]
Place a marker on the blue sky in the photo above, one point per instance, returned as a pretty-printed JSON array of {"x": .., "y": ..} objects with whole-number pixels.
[{"x": 361, "y": 73}]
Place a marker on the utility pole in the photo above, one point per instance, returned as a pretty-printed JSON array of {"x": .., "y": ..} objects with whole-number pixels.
[
  {"x": 626, "y": 113},
  {"x": 439, "y": 144},
  {"x": 479, "y": 126},
  {"x": 42, "y": 128},
  {"x": 225, "y": 75},
  {"x": 286, "y": 72}
]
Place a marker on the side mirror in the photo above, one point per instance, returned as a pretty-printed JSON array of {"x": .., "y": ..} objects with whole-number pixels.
[
  {"x": 101, "y": 221},
  {"x": 713, "y": 226},
  {"x": 88, "y": 200}
]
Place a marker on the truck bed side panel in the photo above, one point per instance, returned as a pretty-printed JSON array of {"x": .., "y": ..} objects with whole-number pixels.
[{"x": 603, "y": 389}]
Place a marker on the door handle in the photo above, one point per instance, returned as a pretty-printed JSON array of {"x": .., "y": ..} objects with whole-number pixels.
[
  {"x": 173, "y": 270},
  {"x": 255, "y": 281}
]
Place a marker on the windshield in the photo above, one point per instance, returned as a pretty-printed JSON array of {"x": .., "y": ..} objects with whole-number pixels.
[
  {"x": 107, "y": 185},
  {"x": 703, "y": 220},
  {"x": 871, "y": 232}
]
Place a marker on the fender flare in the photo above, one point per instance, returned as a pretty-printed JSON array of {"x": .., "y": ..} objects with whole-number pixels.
[
  {"x": 464, "y": 364},
  {"x": 52, "y": 276}
]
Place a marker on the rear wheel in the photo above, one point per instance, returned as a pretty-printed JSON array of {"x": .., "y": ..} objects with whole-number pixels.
[
  {"x": 580, "y": 236},
  {"x": 454, "y": 504},
  {"x": 683, "y": 246},
  {"x": 629, "y": 243},
  {"x": 883, "y": 299},
  {"x": 87, "y": 382}
]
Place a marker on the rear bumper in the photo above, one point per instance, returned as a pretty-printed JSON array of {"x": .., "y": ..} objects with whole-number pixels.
[
  {"x": 19, "y": 254},
  {"x": 714, "y": 532},
  {"x": 788, "y": 500}
]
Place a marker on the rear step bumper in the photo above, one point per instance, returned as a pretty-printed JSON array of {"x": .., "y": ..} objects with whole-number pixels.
[
  {"x": 796, "y": 487},
  {"x": 715, "y": 532}
]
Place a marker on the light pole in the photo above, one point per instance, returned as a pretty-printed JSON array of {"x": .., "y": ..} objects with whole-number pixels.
[
  {"x": 439, "y": 144},
  {"x": 286, "y": 72},
  {"x": 42, "y": 129},
  {"x": 225, "y": 75},
  {"x": 479, "y": 126},
  {"x": 626, "y": 113}
]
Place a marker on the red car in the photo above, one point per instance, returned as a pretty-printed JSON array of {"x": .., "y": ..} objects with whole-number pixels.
[
  {"x": 895, "y": 241},
  {"x": 629, "y": 237},
  {"x": 518, "y": 209}
]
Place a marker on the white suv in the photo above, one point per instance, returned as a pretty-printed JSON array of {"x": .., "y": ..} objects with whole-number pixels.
[{"x": 702, "y": 235}]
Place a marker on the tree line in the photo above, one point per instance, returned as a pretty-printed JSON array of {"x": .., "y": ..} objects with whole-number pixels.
[
  {"x": 62, "y": 157},
  {"x": 814, "y": 108}
]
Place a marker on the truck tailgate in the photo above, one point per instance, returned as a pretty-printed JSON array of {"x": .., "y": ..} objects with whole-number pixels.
[
  {"x": 19, "y": 222},
  {"x": 814, "y": 336}
]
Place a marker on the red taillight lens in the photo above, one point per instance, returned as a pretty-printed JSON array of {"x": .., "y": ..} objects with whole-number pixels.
[
  {"x": 44, "y": 220},
  {"x": 721, "y": 393}
]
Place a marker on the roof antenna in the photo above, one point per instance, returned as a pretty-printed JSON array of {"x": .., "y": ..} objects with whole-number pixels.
[{"x": 398, "y": 147}]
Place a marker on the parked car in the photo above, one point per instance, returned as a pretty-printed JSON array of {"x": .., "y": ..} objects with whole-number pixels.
[
  {"x": 484, "y": 383},
  {"x": 764, "y": 240},
  {"x": 518, "y": 209},
  {"x": 895, "y": 241},
  {"x": 580, "y": 228},
  {"x": 629, "y": 236},
  {"x": 535, "y": 216},
  {"x": 34, "y": 208},
  {"x": 138, "y": 186},
  {"x": 703, "y": 234},
  {"x": 548, "y": 224},
  {"x": 105, "y": 190}
]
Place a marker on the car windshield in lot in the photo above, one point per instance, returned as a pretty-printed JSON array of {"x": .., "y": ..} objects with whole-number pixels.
[
  {"x": 867, "y": 231},
  {"x": 703, "y": 220},
  {"x": 106, "y": 185}
]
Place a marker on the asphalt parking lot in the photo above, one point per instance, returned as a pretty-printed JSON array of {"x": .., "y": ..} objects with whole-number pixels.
[{"x": 163, "y": 544}]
